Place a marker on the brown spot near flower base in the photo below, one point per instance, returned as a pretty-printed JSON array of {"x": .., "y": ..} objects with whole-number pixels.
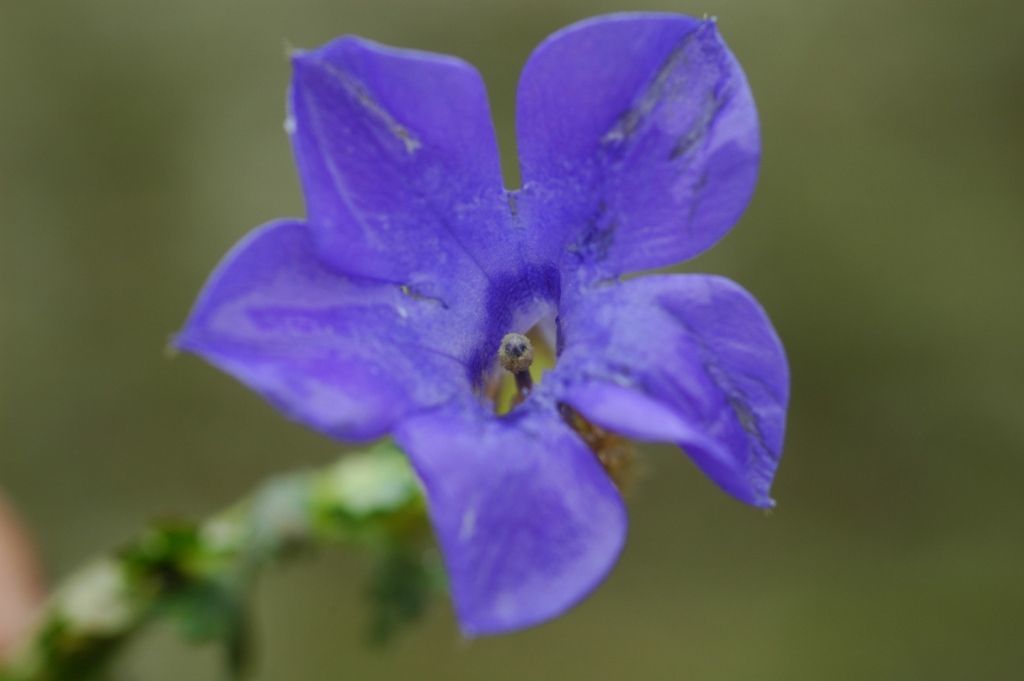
[{"x": 616, "y": 454}]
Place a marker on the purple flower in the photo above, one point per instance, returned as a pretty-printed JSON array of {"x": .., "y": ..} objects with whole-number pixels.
[{"x": 382, "y": 312}]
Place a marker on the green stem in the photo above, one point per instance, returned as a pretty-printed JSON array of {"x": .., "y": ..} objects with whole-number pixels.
[{"x": 199, "y": 574}]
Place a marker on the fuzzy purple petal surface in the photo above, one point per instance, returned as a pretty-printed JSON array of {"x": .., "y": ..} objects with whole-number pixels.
[
  {"x": 528, "y": 521},
  {"x": 638, "y": 141},
  {"x": 346, "y": 356},
  {"x": 399, "y": 167},
  {"x": 688, "y": 359}
]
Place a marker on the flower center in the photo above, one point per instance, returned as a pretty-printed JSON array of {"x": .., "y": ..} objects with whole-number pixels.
[{"x": 516, "y": 356}]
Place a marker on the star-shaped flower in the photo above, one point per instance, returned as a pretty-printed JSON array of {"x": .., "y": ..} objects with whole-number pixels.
[{"x": 384, "y": 312}]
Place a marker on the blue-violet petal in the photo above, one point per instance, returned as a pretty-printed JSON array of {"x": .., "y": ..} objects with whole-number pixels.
[
  {"x": 528, "y": 521},
  {"x": 688, "y": 359},
  {"x": 638, "y": 141}
]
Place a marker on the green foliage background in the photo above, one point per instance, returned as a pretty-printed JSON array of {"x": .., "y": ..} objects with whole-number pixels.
[{"x": 140, "y": 139}]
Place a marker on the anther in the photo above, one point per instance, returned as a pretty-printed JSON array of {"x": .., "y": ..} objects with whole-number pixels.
[{"x": 516, "y": 355}]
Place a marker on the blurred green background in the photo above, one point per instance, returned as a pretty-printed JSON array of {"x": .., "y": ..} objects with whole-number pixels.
[{"x": 139, "y": 140}]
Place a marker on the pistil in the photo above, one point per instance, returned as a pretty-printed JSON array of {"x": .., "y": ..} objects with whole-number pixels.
[{"x": 516, "y": 355}]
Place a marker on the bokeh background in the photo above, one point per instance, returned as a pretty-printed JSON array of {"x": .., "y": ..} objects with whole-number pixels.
[{"x": 140, "y": 139}]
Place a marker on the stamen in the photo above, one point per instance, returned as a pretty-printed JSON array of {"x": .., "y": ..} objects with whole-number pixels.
[{"x": 516, "y": 355}]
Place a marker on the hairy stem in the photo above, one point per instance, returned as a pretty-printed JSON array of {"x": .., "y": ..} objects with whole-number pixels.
[{"x": 199, "y": 574}]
